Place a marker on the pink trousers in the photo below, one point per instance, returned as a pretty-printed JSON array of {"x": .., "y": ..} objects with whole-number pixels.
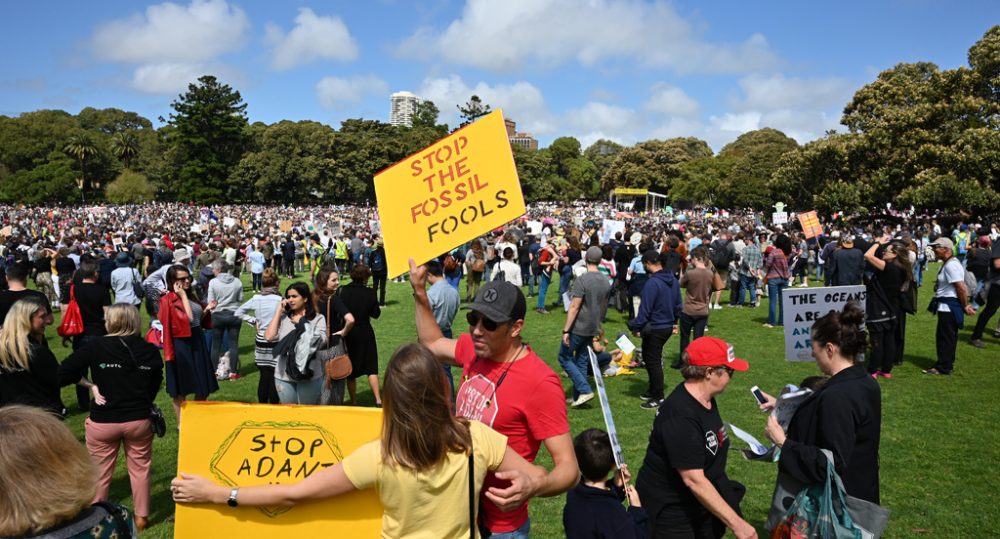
[{"x": 103, "y": 441}]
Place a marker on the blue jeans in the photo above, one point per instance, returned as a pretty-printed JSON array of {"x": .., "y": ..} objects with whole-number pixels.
[
  {"x": 226, "y": 323},
  {"x": 775, "y": 316},
  {"x": 543, "y": 288},
  {"x": 565, "y": 275},
  {"x": 524, "y": 532},
  {"x": 574, "y": 360},
  {"x": 255, "y": 281},
  {"x": 528, "y": 279},
  {"x": 748, "y": 283},
  {"x": 305, "y": 392}
]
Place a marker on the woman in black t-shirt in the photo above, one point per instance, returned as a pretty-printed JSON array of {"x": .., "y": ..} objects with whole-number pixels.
[
  {"x": 883, "y": 309},
  {"x": 126, "y": 372},
  {"x": 339, "y": 321},
  {"x": 683, "y": 484}
]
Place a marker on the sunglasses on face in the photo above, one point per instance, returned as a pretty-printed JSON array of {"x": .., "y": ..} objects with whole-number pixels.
[
  {"x": 476, "y": 318},
  {"x": 729, "y": 370},
  {"x": 185, "y": 279}
]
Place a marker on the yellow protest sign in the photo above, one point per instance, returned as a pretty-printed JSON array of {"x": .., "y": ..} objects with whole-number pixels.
[
  {"x": 240, "y": 444},
  {"x": 448, "y": 193},
  {"x": 810, "y": 224}
]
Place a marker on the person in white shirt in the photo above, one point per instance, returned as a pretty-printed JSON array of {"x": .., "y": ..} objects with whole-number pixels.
[{"x": 124, "y": 280}]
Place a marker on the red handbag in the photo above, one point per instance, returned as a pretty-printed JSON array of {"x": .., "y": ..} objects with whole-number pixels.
[{"x": 72, "y": 320}]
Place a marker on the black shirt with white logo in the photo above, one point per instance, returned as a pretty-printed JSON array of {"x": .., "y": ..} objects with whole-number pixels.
[{"x": 686, "y": 436}]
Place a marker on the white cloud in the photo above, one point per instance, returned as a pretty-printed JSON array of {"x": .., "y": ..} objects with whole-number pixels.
[
  {"x": 671, "y": 101},
  {"x": 521, "y": 101},
  {"x": 172, "y": 45},
  {"x": 170, "y": 78},
  {"x": 508, "y": 35},
  {"x": 312, "y": 38},
  {"x": 617, "y": 122},
  {"x": 334, "y": 92},
  {"x": 170, "y": 32},
  {"x": 739, "y": 123},
  {"x": 779, "y": 92}
]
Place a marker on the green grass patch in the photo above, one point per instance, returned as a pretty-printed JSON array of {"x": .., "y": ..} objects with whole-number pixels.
[{"x": 939, "y": 450}]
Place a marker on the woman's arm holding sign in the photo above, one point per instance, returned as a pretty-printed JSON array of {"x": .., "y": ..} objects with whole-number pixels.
[{"x": 326, "y": 483}]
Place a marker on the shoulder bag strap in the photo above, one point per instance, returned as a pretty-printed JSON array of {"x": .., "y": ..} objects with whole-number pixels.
[
  {"x": 472, "y": 488},
  {"x": 328, "y": 303}
]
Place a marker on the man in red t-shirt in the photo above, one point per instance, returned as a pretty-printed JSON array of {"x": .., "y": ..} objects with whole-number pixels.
[{"x": 506, "y": 386}]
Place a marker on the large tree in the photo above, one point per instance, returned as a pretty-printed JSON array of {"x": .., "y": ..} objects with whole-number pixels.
[
  {"x": 653, "y": 164},
  {"x": 209, "y": 131},
  {"x": 291, "y": 161},
  {"x": 755, "y": 155},
  {"x": 932, "y": 137}
]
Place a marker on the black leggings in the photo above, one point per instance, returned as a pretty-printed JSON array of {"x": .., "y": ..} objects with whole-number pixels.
[
  {"x": 266, "y": 392},
  {"x": 378, "y": 283},
  {"x": 883, "y": 351}
]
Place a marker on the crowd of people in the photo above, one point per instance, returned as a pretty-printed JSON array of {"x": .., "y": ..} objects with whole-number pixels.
[{"x": 665, "y": 271}]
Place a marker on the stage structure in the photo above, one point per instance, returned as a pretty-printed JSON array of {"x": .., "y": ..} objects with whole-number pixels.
[{"x": 630, "y": 199}]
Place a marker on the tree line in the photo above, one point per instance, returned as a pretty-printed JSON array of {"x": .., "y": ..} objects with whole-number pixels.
[{"x": 916, "y": 135}]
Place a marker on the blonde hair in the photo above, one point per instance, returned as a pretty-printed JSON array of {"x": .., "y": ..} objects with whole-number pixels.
[
  {"x": 122, "y": 320},
  {"x": 46, "y": 475},
  {"x": 15, "y": 347}
]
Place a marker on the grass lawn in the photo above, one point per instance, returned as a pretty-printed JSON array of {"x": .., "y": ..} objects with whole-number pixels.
[{"x": 940, "y": 445}]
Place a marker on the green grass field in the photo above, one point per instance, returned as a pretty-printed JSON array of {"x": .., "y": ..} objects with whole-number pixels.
[{"x": 940, "y": 443}]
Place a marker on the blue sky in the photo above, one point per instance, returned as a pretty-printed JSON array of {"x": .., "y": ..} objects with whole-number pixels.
[{"x": 624, "y": 70}]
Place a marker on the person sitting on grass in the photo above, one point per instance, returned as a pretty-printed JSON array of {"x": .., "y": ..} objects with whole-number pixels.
[{"x": 594, "y": 506}]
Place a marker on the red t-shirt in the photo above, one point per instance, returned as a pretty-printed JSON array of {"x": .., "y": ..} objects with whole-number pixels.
[{"x": 528, "y": 406}]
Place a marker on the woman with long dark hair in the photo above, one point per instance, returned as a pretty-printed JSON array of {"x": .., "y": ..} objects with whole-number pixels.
[
  {"x": 361, "y": 347},
  {"x": 300, "y": 332},
  {"x": 189, "y": 369},
  {"x": 883, "y": 307},
  {"x": 339, "y": 322},
  {"x": 419, "y": 466}
]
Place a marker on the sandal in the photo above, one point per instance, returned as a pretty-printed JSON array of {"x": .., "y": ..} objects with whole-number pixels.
[{"x": 932, "y": 370}]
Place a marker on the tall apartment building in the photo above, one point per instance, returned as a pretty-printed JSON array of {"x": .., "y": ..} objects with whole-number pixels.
[{"x": 402, "y": 106}]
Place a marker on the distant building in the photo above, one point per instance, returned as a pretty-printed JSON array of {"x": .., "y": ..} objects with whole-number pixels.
[
  {"x": 524, "y": 140},
  {"x": 402, "y": 107}
]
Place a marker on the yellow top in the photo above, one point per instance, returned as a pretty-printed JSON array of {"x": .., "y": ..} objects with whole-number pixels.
[{"x": 432, "y": 504}]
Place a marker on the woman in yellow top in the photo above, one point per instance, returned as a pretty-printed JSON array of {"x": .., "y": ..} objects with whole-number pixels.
[{"x": 419, "y": 466}]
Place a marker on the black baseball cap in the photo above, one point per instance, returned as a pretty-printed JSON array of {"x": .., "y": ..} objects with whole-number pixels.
[{"x": 499, "y": 301}]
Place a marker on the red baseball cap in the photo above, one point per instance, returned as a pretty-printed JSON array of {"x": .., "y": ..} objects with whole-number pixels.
[{"x": 714, "y": 352}]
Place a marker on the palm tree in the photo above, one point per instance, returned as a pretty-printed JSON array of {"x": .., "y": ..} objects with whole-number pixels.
[
  {"x": 125, "y": 146},
  {"x": 81, "y": 147}
]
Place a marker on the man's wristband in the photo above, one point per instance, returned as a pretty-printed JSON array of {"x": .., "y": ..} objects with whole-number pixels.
[{"x": 565, "y": 332}]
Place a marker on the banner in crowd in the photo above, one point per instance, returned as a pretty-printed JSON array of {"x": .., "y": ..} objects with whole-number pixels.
[
  {"x": 456, "y": 189},
  {"x": 801, "y": 307},
  {"x": 810, "y": 224},
  {"x": 237, "y": 444},
  {"x": 609, "y": 420},
  {"x": 779, "y": 217}
]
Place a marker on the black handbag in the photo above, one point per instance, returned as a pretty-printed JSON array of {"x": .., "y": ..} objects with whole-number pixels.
[
  {"x": 157, "y": 421},
  {"x": 137, "y": 288}
]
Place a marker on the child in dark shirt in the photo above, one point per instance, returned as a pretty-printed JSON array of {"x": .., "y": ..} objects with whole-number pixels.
[{"x": 594, "y": 506}]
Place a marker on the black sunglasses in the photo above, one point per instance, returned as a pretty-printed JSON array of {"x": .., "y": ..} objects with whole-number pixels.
[
  {"x": 729, "y": 370},
  {"x": 475, "y": 318}
]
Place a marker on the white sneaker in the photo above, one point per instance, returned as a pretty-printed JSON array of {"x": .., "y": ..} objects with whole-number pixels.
[{"x": 583, "y": 398}]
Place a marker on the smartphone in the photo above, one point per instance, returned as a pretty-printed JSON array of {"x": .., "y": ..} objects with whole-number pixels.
[{"x": 758, "y": 394}]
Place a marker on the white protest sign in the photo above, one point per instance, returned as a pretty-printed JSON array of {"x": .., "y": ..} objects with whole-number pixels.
[
  {"x": 611, "y": 226},
  {"x": 803, "y": 306},
  {"x": 534, "y": 227},
  {"x": 609, "y": 421},
  {"x": 779, "y": 217},
  {"x": 228, "y": 222}
]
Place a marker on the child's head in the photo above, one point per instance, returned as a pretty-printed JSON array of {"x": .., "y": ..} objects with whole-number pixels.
[{"x": 593, "y": 453}]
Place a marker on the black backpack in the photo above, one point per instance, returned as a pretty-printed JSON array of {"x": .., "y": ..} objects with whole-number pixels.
[{"x": 720, "y": 253}]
